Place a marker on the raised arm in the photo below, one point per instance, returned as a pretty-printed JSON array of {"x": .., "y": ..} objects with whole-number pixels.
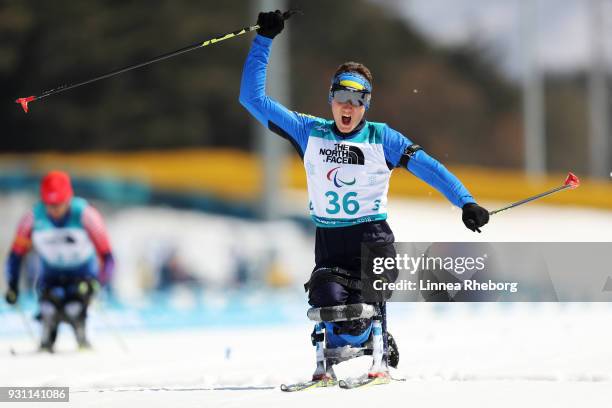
[{"x": 288, "y": 124}]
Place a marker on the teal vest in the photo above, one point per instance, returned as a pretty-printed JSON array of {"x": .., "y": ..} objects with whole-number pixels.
[
  {"x": 65, "y": 247},
  {"x": 348, "y": 179}
]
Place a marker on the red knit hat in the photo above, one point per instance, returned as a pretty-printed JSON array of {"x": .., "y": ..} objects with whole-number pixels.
[{"x": 56, "y": 188}]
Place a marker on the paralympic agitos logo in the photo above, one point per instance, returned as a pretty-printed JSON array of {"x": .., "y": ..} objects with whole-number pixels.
[
  {"x": 343, "y": 154},
  {"x": 332, "y": 175}
]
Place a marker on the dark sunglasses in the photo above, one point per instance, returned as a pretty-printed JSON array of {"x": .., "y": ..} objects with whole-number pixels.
[{"x": 355, "y": 98}]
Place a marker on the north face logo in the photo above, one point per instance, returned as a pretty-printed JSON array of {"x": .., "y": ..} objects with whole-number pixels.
[{"x": 343, "y": 154}]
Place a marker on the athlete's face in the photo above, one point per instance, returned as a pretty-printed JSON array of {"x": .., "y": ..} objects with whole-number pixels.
[
  {"x": 347, "y": 116},
  {"x": 57, "y": 211}
]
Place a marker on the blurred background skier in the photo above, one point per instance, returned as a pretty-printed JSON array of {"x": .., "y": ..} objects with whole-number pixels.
[
  {"x": 70, "y": 239},
  {"x": 348, "y": 163}
]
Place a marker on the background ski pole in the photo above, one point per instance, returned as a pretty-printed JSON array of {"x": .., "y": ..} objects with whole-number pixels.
[
  {"x": 108, "y": 324},
  {"x": 26, "y": 322},
  {"x": 24, "y": 101},
  {"x": 11, "y": 348},
  {"x": 26, "y": 325}
]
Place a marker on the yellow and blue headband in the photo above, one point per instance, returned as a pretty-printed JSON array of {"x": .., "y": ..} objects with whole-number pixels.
[{"x": 351, "y": 81}]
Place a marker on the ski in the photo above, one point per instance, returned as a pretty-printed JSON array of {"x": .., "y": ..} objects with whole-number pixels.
[
  {"x": 38, "y": 352},
  {"x": 308, "y": 385},
  {"x": 18, "y": 353},
  {"x": 363, "y": 381}
]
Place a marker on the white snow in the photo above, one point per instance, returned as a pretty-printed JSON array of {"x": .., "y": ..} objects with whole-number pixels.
[{"x": 459, "y": 355}]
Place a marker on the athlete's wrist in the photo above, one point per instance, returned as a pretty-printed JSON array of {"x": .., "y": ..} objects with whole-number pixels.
[{"x": 263, "y": 40}]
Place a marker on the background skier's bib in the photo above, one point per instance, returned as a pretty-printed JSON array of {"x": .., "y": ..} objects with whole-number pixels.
[
  {"x": 348, "y": 179},
  {"x": 66, "y": 247}
]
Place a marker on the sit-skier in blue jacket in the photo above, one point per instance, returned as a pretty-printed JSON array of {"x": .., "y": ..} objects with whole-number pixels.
[{"x": 348, "y": 163}]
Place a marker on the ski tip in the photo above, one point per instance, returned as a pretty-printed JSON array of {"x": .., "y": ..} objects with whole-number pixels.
[
  {"x": 307, "y": 385},
  {"x": 364, "y": 381},
  {"x": 572, "y": 181}
]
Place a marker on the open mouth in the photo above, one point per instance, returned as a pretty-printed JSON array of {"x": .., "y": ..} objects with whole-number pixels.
[{"x": 346, "y": 120}]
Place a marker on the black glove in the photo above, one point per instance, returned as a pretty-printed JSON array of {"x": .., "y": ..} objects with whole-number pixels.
[
  {"x": 11, "y": 296},
  {"x": 270, "y": 23},
  {"x": 474, "y": 216}
]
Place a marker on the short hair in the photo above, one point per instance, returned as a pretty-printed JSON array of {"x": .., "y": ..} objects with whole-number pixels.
[{"x": 357, "y": 67}]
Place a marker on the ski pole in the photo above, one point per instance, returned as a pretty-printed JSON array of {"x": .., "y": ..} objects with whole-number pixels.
[
  {"x": 109, "y": 326},
  {"x": 26, "y": 323},
  {"x": 571, "y": 182},
  {"x": 24, "y": 101},
  {"x": 11, "y": 348}
]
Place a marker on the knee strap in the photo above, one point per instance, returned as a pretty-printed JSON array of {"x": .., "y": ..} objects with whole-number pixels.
[{"x": 324, "y": 275}]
